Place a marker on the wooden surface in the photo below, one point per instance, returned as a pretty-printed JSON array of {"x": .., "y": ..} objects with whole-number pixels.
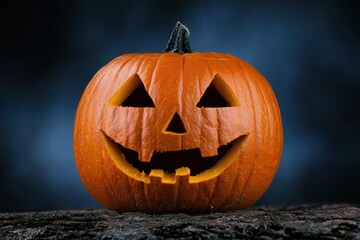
[{"x": 298, "y": 222}]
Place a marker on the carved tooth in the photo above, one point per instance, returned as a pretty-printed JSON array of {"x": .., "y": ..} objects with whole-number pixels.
[
  {"x": 145, "y": 155},
  {"x": 182, "y": 174},
  {"x": 168, "y": 178},
  {"x": 156, "y": 175},
  {"x": 208, "y": 152},
  {"x": 183, "y": 171}
]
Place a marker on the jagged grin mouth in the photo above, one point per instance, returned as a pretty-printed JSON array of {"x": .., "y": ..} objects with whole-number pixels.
[{"x": 173, "y": 163}]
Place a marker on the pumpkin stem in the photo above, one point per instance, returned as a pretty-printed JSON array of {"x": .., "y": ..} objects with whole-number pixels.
[{"x": 179, "y": 40}]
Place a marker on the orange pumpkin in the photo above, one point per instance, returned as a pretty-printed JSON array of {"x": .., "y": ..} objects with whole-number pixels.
[{"x": 177, "y": 131}]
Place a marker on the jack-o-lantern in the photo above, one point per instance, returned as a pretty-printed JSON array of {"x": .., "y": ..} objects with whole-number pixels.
[{"x": 177, "y": 131}]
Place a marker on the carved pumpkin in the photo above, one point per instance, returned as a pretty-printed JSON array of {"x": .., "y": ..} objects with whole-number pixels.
[{"x": 177, "y": 131}]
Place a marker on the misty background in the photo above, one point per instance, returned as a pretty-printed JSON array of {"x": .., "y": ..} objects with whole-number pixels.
[{"x": 308, "y": 51}]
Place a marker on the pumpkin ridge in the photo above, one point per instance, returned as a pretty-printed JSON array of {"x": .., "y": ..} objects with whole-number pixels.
[
  {"x": 137, "y": 67},
  {"x": 277, "y": 132},
  {"x": 211, "y": 197},
  {"x": 181, "y": 97},
  {"x": 233, "y": 185},
  {"x": 142, "y": 113},
  {"x": 209, "y": 120},
  {"x": 216, "y": 179},
  {"x": 269, "y": 128},
  {"x": 275, "y": 110},
  {"x": 245, "y": 187},
  {"x": 201, "y": 132},
  {"x": 116, "y": 76},
  {"x": 132, "y": 191},
  {"x": 153, "y": 73},
  {"x": 140, "y": 120},
  {"x": 110, "y": 184},
  {"x": 131, "y": 57},
  {"x": 199, "y": 140},
  {"x": 176, "y": 193},
  {"x": 142, "y": 109},
  {"x": 229, "y": 205},
  {"x": 92, "y": 88}
]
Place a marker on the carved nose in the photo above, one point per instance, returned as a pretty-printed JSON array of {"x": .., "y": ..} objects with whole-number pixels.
[{"x": 175, "y": 125}]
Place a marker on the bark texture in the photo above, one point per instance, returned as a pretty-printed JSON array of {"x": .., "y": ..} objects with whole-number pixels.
[{"x": 297, "y": 222}]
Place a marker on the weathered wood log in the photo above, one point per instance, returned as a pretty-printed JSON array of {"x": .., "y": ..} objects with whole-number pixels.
[{"x": 298, "y": 222}]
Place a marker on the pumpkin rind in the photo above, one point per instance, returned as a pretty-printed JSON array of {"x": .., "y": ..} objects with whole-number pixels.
[{"x": 176, "y": 83}]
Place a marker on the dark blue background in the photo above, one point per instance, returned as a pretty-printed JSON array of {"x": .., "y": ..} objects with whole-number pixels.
[{"x": 308, "y": 51}]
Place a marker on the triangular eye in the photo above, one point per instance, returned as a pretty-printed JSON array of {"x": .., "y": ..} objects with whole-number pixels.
[
  {"x": 132, "y": 94},
  {"x": 217, "y": 95}
]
